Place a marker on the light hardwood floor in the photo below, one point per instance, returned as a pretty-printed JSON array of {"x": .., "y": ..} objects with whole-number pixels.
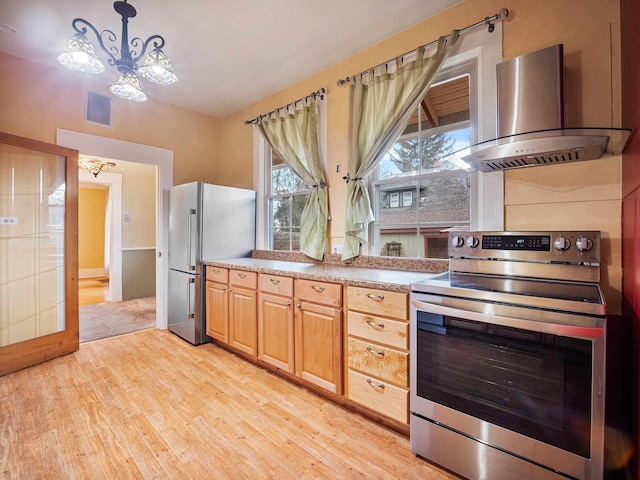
[
  {"x": 149, "y": 405},
  {"x": 92, "y": 290}
]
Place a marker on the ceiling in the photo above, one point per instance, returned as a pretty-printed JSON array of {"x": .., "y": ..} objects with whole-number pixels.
[{"x": 227, "y": 54}]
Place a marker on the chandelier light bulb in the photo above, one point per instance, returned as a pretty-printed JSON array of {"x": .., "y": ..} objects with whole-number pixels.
[
  {"x": 129, "y": 87},
  {"x": 79, "y": 55},
  {"x": 157, "y": 68}
]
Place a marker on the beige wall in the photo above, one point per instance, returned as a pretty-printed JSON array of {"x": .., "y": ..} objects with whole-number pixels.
[
  {"x": 221, "y": 151},
  {"x": 92, "y": 207},
  {"x": 36, "y": 100},
  {"x": 581, "y": 196},
  {"x": 139, "y": 202}
]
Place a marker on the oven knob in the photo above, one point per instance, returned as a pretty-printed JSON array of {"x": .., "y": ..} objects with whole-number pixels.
[
  {"x": 584, "y": 244},
  {"x": 562, "y": 243},
  {"x": 472, "y": 242},
  {"x": 457, "y": 241}
]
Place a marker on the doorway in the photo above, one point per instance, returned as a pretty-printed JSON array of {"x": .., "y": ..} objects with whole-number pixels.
[{"x": 137, "y": 153}]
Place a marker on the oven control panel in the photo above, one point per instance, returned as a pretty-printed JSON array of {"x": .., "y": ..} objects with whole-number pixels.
[{"x": 560, "y": 246}]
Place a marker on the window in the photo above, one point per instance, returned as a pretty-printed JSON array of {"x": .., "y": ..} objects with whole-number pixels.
[
  {"x": 286, "y": 199},
  {"x": 418, "y": 189}
]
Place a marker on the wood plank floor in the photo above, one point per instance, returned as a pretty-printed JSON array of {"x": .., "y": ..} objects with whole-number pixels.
[
  {"x": 149, "y": 405},
  {"x": 92, "y": 290}
]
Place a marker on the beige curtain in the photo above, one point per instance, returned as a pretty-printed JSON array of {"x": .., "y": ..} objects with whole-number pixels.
[
  {"x": 379, "y": 112},
  {"x": 295, "y": 139}
]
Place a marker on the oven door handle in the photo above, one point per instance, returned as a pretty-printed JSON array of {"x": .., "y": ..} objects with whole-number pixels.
[{"x": 543, "y": 327}]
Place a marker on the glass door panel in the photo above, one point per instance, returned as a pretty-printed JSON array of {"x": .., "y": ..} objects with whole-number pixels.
[{"x": 38, "y": 252}]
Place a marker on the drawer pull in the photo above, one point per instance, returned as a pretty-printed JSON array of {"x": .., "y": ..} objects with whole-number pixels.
[
  {"x": 375, "y": 297},
  {"x": 373, "y": 352},
  {"x": 317, "y": 288},
  {"x": 275, "y": 281},
  {"x": 379, "y": 386},
  {"x": 288, "y": 304},
  {"x": 374, "y": 324},
  {"x": 242, "y": 275},
  {"x": 215, "y": 270}
]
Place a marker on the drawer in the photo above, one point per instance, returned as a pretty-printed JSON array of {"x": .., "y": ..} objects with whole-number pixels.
[
  {"x": 377, "y": 302},
  {"x": 392, "y": 333},
  {"x": 241, "y": 278},
  {"x": 384, "y": 363},
  {"x": 319, "y": 292},
  {"x": 276, "y": 284},
  {"x": 217, "y": 274},
  {"x": 382, "y": 397}
]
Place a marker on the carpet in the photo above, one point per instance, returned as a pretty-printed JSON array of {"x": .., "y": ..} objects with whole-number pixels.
[{"x": 109, "y": 319}]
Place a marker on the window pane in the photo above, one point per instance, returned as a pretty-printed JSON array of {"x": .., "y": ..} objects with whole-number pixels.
[
  {"x": 445, "y": 199},
  {"x": 420, "y": 188},
  {"x": 280, "y": 212}
]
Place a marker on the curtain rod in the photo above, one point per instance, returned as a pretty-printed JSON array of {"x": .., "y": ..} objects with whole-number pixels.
[
  {"x": 318, "y": 93},
  {"x": 488, "y": 21}
]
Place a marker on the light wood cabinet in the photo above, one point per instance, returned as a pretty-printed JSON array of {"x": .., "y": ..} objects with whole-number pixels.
[
  {"x": 275, "y": 321},
  {"x": 217, "y": 311},
  {"x": 318, "y": 334},
  {"x": 378, "y": 351},
  {"x": 243, "y": 323}
]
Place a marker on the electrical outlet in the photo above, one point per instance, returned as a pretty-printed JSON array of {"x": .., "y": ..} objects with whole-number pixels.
[{"x": 337, "y": 249}]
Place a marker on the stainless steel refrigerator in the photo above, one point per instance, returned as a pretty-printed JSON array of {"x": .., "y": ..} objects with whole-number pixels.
[{"x": 206, "y": 222}]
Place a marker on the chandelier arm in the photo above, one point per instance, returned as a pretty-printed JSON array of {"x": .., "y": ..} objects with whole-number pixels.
[
  {"x": 83, "y": 31},
  {"x": 157, "y": 45}
]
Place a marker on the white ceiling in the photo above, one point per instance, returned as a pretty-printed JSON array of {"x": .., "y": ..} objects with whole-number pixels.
[{"x": 228, "y": 54}]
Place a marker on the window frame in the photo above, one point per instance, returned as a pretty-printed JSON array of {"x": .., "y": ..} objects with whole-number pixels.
[{"x": 262, "y": 180}]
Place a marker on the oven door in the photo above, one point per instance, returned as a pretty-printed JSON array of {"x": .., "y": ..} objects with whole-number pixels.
[{"x": 524, "y": 381}]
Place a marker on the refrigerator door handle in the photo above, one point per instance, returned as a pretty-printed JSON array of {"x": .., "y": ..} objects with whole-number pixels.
[
  {"x": 190, "y": 300},
  {"x": 191, "y": 212}
]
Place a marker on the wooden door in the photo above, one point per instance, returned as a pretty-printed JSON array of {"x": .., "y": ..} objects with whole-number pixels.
[
  {"x": 318, "y": 345},
  {"x": 38, "y": 252},
  {"x": 243, "y": 320},
  {"x": 218, "y": 311},
  {"x": 275, "y": 331}
]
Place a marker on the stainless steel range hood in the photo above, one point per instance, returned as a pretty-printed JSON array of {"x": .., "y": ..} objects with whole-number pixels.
[{"x": 531, "y": 120}]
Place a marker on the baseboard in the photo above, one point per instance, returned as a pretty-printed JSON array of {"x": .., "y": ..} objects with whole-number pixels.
[{"x": 91, "y": 272}]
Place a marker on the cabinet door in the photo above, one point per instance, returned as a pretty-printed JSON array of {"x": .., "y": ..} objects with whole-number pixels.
[
  {"x": 243, "y": 320},
  {"x": 318, "y": 345},
  {"x": 218, "y": 311},
  {"x": 275, "y": 331}
]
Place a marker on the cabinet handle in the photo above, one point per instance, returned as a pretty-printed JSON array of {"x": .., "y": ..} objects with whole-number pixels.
[
  {"x": 373, "y": 352},
  {"x": 288, "y": 304},
  {"x": 375, "y": 297},
  {"x": 230, "y": 290},
  {"x": 375, "y": 385},
  {"x": 275, "y": 281},
  {"x": 374, "y": 324},
  {"x": 242, "y": 275},
  {"x": 317, "y": 288},
  {"x": 298, "y": 305}
]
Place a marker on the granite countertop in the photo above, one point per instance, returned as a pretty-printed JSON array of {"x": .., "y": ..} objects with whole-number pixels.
[{"x": 345, "y": 274}]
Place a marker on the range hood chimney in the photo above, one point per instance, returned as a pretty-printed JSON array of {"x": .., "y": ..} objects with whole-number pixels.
[{"x": 531, "y": 119}]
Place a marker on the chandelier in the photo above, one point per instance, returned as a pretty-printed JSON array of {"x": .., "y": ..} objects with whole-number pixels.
[
  {"x": 79, "y": 54},
  {"x": 95, "y": 165}
]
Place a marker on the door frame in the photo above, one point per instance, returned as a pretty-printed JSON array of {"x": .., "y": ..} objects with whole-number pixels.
[{"x": 135, "y": 152}]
